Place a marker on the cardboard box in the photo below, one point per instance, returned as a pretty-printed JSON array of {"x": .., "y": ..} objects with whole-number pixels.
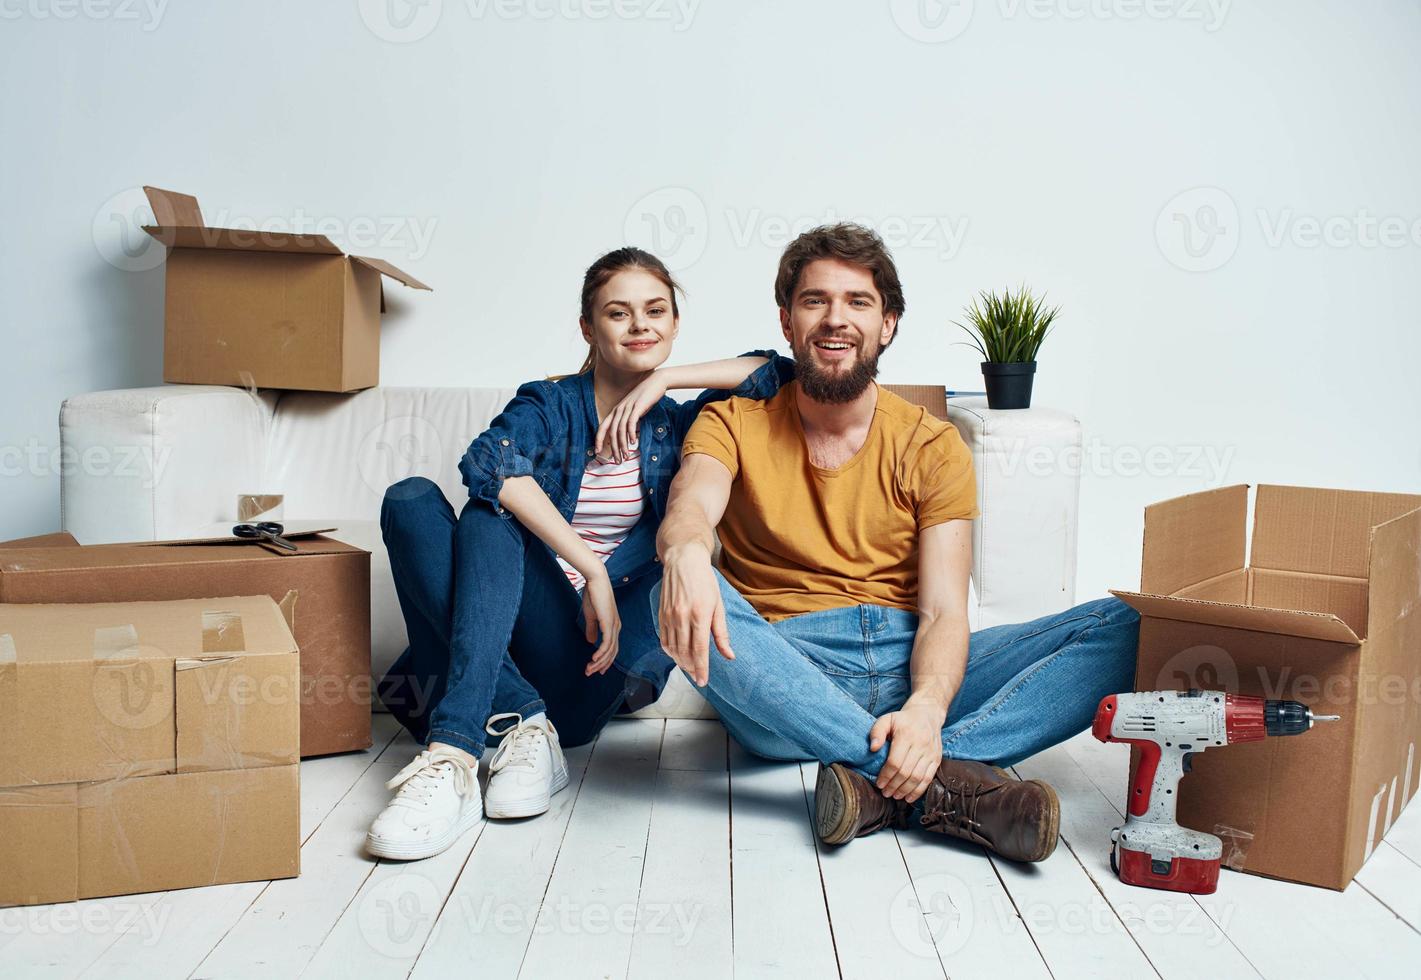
[
  {"x": 1326, "y": 609},
  {"x": 146, "y": 746},
  {"x": 266, "y": 309},
  {"x": 332, "y": 613}
]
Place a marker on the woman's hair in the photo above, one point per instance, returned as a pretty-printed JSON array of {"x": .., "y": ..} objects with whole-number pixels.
[{"x": 620, "y": 260}]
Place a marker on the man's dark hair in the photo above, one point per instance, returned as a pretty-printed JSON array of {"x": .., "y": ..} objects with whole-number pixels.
[{"x": 847, "y": 242}]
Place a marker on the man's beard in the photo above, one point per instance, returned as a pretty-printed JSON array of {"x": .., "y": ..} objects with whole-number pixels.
[{"x": 833, "y": 386}]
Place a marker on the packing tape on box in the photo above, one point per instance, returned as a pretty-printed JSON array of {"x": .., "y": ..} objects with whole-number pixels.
[
  {"x": 113, "y": 642},
  {"x": 7, "y": 649},
  {"x": 1236, "y": 843}
]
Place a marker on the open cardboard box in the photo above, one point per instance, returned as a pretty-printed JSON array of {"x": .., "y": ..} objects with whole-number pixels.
[
  {"x": 266, "y": 309},
  {"x": 1325, "y": 609},
  {"x": 146, "y": 746}
]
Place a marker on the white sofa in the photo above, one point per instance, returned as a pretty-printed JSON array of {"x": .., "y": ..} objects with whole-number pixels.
[{"x": 168, "y": 462}]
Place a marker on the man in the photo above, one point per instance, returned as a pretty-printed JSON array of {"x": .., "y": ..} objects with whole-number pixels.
[{"x": 839, "y": 607}]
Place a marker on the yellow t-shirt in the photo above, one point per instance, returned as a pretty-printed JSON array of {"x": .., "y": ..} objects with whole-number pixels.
[{"x": 799, "y": 538}]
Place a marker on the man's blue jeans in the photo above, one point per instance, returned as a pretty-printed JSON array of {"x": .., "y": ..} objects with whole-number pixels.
[
  {"x": 811, "y": 686},
  {"x": 492, "y": 624}
]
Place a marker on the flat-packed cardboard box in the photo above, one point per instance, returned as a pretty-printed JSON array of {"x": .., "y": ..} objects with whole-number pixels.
[
  {"x": 266, "y": 309},
  {"x": 332, "y": 613},
  {"x": 1325, "y": 609},
  {"x": 146, "y": 746}
]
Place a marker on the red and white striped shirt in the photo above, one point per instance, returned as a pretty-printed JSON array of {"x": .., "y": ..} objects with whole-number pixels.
[{"x": 608, "y": 507}]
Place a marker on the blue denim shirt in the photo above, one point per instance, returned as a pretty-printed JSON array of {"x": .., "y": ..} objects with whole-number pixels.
[{"x": 548, "y": 430}]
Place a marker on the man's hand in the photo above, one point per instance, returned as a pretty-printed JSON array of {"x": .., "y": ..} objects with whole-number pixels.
[
  {"x": 914, "y": 737},
  {"x": 691, "y": 611}
]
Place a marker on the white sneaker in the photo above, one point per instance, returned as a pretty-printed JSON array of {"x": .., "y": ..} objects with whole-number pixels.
[
  {"x": 438, "y": 800},
  {"x": 527, "y": 769}
]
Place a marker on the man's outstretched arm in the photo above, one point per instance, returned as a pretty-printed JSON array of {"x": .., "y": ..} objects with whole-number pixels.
[
  {"x": 939, "y": 660},
  {"x": 691, "y": 610}
]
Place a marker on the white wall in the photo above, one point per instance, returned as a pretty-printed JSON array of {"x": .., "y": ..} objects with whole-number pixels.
[{"x": 502, "y": 150}]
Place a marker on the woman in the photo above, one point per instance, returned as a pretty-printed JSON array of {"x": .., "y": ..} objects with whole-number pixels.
[{"x": 532, "y": 607}]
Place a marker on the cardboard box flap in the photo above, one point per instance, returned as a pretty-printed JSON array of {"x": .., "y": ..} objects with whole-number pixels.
[
  {"x": 41, "y": 633},
  {"x": 173, "y": 209},
  {"x": 241, "y": 239},
  {"x": 1304, "y": 529},
  {"x": 1395, "y": 569},
  {"x": 931, "y": 397},
  {"x": 1194, "y": 538},
  {"x": 1287, "y": 622},
  {"x": 386, "y": 269}
]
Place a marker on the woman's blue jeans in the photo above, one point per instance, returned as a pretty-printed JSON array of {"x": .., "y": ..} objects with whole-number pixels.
[{"x": 493, "y": 625}]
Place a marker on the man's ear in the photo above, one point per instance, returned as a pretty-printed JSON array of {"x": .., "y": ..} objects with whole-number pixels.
[
  {"x": 785, "y": 328},
  {"x": 890, "y": 330}
]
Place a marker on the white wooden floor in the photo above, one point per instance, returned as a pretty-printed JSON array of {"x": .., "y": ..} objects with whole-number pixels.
[{"x": 672, "y": 853}]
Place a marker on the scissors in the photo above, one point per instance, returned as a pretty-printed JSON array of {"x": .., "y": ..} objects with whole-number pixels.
[{"x": 269, "y": 531}]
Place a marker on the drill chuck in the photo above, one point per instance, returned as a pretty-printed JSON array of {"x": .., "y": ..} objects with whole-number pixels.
[{"x": 1290, "y": 717}]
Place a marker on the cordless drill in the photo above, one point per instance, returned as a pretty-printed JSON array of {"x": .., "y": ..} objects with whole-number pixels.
[{"x": 1170, "y": 727}]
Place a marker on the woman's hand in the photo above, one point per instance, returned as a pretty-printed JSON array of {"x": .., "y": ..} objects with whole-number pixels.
[
  {"x": 599, "y": 606},
  {"x": 618, "y": 429}
]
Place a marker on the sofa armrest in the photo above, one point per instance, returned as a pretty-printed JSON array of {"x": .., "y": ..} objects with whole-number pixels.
[{"x": 145, "y": 464}]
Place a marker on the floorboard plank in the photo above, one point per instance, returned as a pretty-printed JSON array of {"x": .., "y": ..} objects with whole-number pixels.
[
  {"x": 781, "y": 922},
  {"x": 166, "y": 934},
  {"x": 694, "y": 744},
  {"x": 873, "y": 905},
  {"x": 585, "y": 925},
  {"x": 964, "y": 911},
  {"x": 1180, "y": 939},
  {"x": 491, "y": 910},
  {"x": 286, "y": 924},
  {"x": 1285, "y": 929},
  {"x": 683, "y": 925}
]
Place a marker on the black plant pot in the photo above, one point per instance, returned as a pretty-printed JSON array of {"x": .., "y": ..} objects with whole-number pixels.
[{"x": 1008, "y": 384}]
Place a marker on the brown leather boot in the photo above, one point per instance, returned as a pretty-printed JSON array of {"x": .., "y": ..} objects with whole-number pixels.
[
  {"x": 846, "y": 805},
  {"x": 1017, "y": 819}
]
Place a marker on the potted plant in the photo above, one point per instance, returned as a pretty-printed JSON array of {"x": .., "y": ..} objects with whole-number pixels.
[{"x": 1008, "y": 330}]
